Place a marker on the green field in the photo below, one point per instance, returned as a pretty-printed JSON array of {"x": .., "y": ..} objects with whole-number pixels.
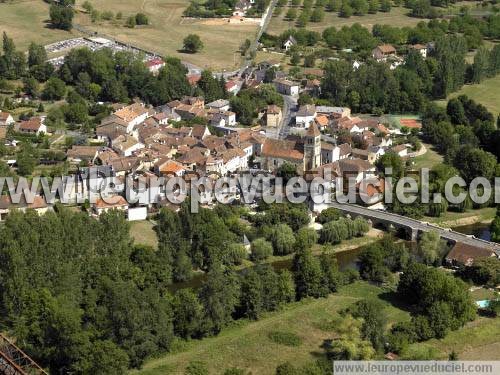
[
  {"x": 478, "y": 340},
  {"x": 25, "y": 21},
  {"x": 167, "y": 30},
  {"x": 143, "y": 234},
  {"x": 429, "y": 159},
  {"x": 247, "y": 345},
  {"x": 487, "y": 93},
  {"x": 396, "y": 17}
]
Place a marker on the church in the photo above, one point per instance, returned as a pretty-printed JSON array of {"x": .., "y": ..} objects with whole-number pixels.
[{"x": 304, "y": 152}]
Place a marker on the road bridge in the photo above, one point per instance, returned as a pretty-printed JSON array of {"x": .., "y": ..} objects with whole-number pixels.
[{"x": 412, "y": 227}]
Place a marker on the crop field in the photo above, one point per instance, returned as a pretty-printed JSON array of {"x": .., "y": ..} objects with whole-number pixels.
[{"x": 167, "y": 29}]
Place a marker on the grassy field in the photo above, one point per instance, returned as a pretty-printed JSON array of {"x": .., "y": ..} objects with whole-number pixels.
[
  {"x": 247, "y": 344},
  {"x": 453, "y": 219},
  {"x": 478, "y": 340},
  {"x": 396, "y": 17},
  {"x": 142, "y": 232},
  {"x": 167, "y": 30},
  {"x": 487, "y": 93},
  {"x": 429, "y": 159},
  {"x": 25, "y": 21}
]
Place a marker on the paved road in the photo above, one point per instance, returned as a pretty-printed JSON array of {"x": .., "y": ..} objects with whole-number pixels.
[{"x": 421, "y": 226}]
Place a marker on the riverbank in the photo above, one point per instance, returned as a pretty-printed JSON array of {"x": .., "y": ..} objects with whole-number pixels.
[{"x": 457, "y": 219}]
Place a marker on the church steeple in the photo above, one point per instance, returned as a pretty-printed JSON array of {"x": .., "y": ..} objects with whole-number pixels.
[{"x": 312, "y": 147}]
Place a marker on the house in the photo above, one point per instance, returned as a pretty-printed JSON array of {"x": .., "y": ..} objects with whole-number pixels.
[
  {"x": 34, "y": 125},
  {"x": 420, "y": 48},
  {"x": 108, "y": 131},
  {"x": 224, "y": 119},
  {"x": 200, "y": 132},
  {"x": 220, "y": 105},
  {"x": 464, "y": 255},
  {"x": 39, "y": 205},
  {"x": 154, "y": 65},
  {"x": 161, "y": 118},
  {"x": 169, "y": 167},
  {"x": 3, "y": 132},
  {"x": 232, "y": 87},
  {"x": 400, "y": 150},
  {"x": 132, "y": 115},
  {"x": 289, "y": 43},
  {"x": 126, "y": 145},
  {"x": 356, "y": 169},
  {"x": 336, "y": 112},
  {"x": 115, "y": 202},
  {"x": 6, "y": 118},
  {"x": 367, "y": 155},
  {"x": 286, "y": 87},
  {"x": 382, "y": 52},
  {"x": 77, "y": 154},
  {"x": 273, "y": 116},
  {"x": 305, "y": 115},
  {"x": 193, "y": 79},
  {"x": 322, "y": 121}
]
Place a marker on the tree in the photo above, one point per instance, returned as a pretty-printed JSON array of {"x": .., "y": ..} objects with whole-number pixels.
[
  {"x": 393, "y": 161},
  {"x": 192, "y": 43},
  {"x": 219, "y": 296},
  {"x": 305, "y": 238},
  {"x": 31, "y": 87},
  {"x": 330, "y": 214},
  {"x": 26, "y": 160},
  {"x": 141, "y": 19},
  {"x": 317, "y": 15},
  {"x": 283, "y": 239},
  {"x": 188, "y": 313},
  {"x": 36, "y": 55},
  {"x": 481, "y": 65},
  {"x": 372, "y": 263},
  {"x": 131, "y": 22},
  {"x": 55, "y": 89},
  {"x": 308, "y": 275},
  {"x": 260, "y": 250},
  {"x": 371, "y": 311},
  {"x": 346, "y": 10},
  {"x": 291, "y": 14},
  {"x": 287, "y": 171},
  {"x": 61, "y": 17},
  {"x": 251, "y": 304},
  {"x": 474, "y": 162}
]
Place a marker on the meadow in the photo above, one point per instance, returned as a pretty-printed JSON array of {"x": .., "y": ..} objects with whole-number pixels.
[
  {"x": 396, "y": 17},
  {"x": 26, "y": 21},
  {"x": 167, "y": 29}
]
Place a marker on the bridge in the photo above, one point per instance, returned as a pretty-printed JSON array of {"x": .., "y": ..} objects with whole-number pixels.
[{"x": 412, "y": 227}]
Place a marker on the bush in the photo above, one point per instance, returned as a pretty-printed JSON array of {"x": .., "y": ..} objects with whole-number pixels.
[
  {"x": 285, "y": 338},
  {"x": 141, "y": 19},
  {"x": 196, "y": 368},
  {"x": 261, "y": 250}
]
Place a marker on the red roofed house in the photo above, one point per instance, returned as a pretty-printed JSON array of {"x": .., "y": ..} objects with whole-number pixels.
[
  {"x": 154, "y": 65},
  {"x": 231, "y": 87},
  {"x": 116, "y": 202},
  {"x": 34, "y": 125},
  {"x": 382, "y": 52},
  {"x": 6, "y": 118}
]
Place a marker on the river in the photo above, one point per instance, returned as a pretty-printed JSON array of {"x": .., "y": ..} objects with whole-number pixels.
[
  {"x": 345, "y": 259},
  {"x": 480, "y": 230}
]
